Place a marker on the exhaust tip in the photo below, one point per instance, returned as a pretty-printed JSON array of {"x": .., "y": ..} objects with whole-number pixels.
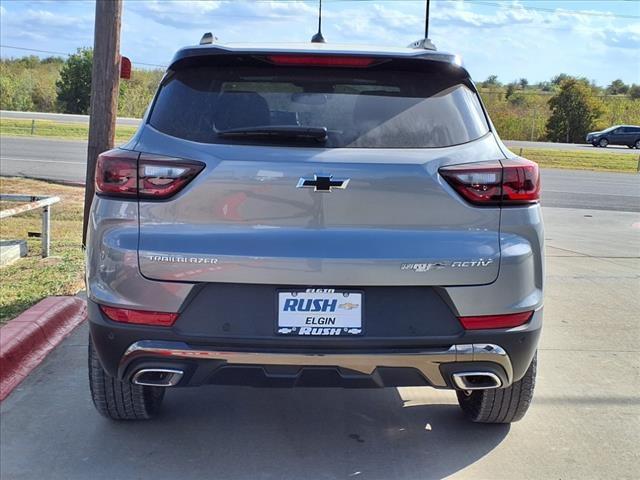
[
  {"x": 157, "y": 377},
  {"x": 476, "y": 380}
]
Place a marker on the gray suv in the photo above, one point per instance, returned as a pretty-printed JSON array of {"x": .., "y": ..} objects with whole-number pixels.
[{"x": 315, "y": 216}]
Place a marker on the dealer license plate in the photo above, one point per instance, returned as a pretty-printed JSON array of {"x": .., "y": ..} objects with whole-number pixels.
[{"x": 320, "y": 312}]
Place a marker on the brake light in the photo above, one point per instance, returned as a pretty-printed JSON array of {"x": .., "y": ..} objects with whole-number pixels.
[
  {"x": 123, "y": 173},
  {"x": 321, "y": 61},
  {"x": 512, "y": 182},
  {"x": 162, "y": 179},
  {"x": 520, "y": 181},
  {"x": 116, "y": 173},
  {"x": 495, "y": 321},
  {"x": 139, "y": 317}
]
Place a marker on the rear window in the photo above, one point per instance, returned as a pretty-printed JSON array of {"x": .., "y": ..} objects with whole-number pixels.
[{"x": 359, "y": 108}]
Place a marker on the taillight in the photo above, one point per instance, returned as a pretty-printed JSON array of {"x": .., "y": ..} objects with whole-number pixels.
[
  {"x": 520, "y": 181},
  {"x": 495, "y": 321},
  {"x": 122, "y": 173},
  {"x": 322, "y": 61},
  {"x": 139, "y": 317},
  {"x": 162, "y": 179},
  {"x": 116, "y": 173},
  {"x": 511, "y": 182}
]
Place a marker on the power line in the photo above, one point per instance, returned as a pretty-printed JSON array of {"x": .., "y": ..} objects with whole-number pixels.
[
  {"x": 471, "y": 2},
  {"x": 553, "y": 10},
  {"x": 51, "y": 52}
]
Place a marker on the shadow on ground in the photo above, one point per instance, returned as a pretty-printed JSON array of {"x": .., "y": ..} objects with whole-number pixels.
[{"x": 51, "y": 430}]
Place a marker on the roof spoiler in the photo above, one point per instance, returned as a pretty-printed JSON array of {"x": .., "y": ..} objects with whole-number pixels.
[{"x": 424, "y": 44}]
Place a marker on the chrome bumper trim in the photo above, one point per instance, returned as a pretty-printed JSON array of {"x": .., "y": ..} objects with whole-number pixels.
[{"x": 427, "y": 362}]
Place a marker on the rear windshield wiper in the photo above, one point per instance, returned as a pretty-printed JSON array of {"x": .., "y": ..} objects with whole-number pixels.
[{"x": 277, "y": 131}]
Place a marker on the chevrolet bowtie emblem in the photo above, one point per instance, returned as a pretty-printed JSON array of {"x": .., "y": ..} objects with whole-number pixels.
[
  {"x": 323, "y": 183},
  {"x": 348, "y": 306}
]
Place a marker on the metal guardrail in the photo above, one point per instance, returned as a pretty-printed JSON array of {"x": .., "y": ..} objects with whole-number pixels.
[
  {"x": 35, "y": 202},
  {"x": 60, "y": 117}
]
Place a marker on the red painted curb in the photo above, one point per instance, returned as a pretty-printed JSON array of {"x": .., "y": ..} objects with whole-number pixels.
[{"x": 26, "y": 340}]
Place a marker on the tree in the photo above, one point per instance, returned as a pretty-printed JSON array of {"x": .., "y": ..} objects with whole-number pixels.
[
  {"x": 544, "y": 86},
  {"x": 558, "y": 79},
  {"x": 617, "y": 87},
  {"x": 634, "y": 91},
  {"x": 491, "y": 81},
  {"x": 74, "y": 85},
  {"x": 511, "y": 88},
  {"x": 574, "y": 110},
  {"x": 518, "y": 99},
  {"x": 524, "y": 83}
]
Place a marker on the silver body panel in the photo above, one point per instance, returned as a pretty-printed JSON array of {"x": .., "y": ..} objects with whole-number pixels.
[
  {"x": 242, "y": 220},
  {"x": 115, "y": 266}
]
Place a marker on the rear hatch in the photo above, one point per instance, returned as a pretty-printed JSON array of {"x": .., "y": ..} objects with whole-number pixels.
[{"x": 279, "y": 203}]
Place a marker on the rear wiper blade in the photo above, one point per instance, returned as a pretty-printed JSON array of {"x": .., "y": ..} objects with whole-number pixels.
[{"x": 277, "y": 131}]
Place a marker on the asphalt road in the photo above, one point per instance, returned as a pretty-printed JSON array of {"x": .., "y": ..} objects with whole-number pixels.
[
  {"x": 584, "y": 422},
  {"x": 66, "y": 160},
  {"x": 43, "y": 158}
]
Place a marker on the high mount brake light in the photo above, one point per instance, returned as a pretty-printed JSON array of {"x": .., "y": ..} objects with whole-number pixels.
[
  {"x": 512, "y": 182},
  {"x": 321, "y": 61},
  {"x": 139, "y": 317},
  {"x": 495, "y": 321},
  {"x": 121, "y": 173}
]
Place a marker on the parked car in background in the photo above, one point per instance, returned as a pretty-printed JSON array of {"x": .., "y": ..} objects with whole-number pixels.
[{"x": 628, "y": 135}]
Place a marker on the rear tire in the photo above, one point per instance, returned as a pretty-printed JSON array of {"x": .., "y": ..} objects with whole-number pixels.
[
  {"x": 500, "y": 405},
  {"x": 637, "y": 144},
  {"x": 118, "y": 400}
]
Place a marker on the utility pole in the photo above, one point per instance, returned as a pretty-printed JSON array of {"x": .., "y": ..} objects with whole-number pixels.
[
  {"x": 533, "y": 124},
  {"x": 105, "y": 84}
]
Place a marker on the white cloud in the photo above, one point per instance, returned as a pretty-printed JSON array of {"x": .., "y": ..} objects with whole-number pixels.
[{"x": 510, "y": 40}]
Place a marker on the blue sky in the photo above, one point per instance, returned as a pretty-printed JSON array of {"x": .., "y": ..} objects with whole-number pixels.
[{"x": 536, "y": 39}]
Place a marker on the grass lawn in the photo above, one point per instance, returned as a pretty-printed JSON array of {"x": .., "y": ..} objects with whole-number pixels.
[
  {"x": 33, "y": 278},
  {"x": 67, "y": 131},
  {"x": 574, "y": 159}
]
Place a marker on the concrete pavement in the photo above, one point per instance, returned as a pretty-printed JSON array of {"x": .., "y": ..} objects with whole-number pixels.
[{"x": 584, "y": 422}]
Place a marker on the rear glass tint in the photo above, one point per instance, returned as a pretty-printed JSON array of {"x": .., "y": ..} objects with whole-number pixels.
[{"x": 359, "y": 108}]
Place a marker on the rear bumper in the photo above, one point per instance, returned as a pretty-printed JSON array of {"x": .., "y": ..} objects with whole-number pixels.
[
  {"x": 433, "y": 367},
  {"x": 124, "y": 350}
]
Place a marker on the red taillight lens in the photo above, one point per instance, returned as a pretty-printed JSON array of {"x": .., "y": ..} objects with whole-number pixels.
[
  {"x": 520, "y": 181},
  {"x": 321, "y": 61},
  {"x": 139, "y": 317},
  {"x": 477, "y": 183},
  {"x": 116, "y": 173},
  {"x": 122, "y": 173},
  {"x": 162, "y": 179},
  {"x": 512, "y": 182},
  {"x": 495, "y": 321}
]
